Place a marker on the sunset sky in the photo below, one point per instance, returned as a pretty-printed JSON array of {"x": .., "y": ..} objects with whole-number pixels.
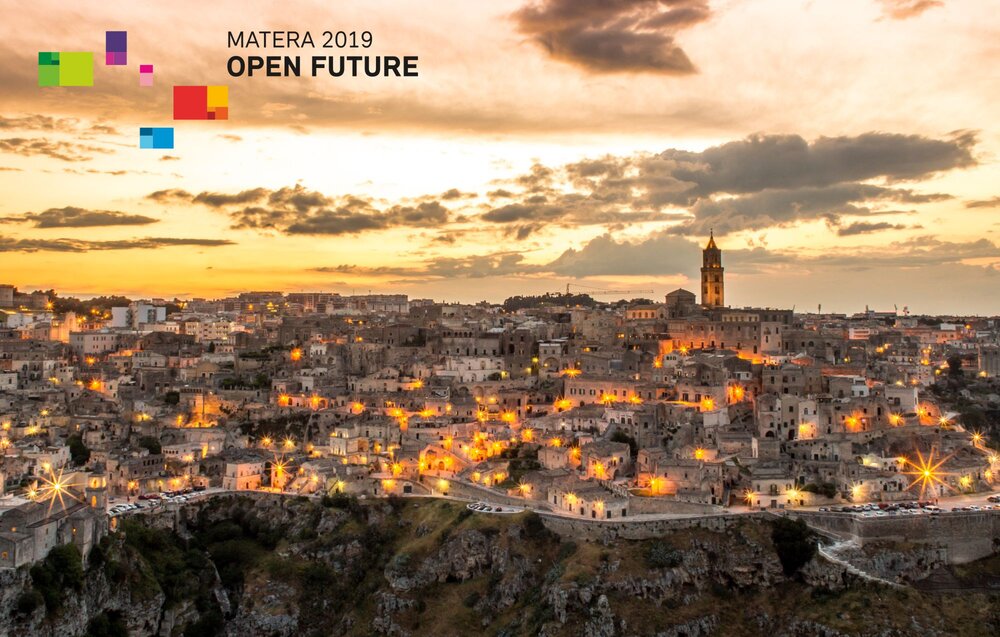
[{"x": 845, "y": 153}]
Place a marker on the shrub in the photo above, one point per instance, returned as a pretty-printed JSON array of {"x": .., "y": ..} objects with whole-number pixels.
[
  {"x": 61, "y": 569},
  {"x": 471, "y": 599},
  {"x": 566, "y": 549},
  {"x": 660, "y": 555},
  {"x": 78, "y": 452},
  {"x": 793, "y": 541},
  {"x": 107, "y": 624},
  {"x": 28, "y": 601},
  {"x": 534, "y": 528},
  {"x": 151, "y": 443}
]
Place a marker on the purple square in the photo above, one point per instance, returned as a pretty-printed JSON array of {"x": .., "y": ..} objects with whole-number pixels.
[{"x": 116, "y": 41}]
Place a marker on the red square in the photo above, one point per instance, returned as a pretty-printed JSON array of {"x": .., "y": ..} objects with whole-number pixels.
[{"x": 190, "y": 102}]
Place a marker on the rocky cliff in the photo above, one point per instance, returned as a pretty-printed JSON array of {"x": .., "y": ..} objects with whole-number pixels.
[{"x": 269, "y": 565}]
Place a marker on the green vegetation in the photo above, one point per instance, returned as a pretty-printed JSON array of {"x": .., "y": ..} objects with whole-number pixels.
[
  {"x": 151, "y": 443},
  {"x": 59, "y": 572},
  {"x": 78, "y": 452},
  {"x": 794, "y": 542},
  {"x": 259, "y": 381},
  {"x": 621, "y": 436},
  {"x": 107, "y": 624},
  {"x": 660, "y": 555},
  {"x": 825, "y": 489},
  {"x": 515, "y": 303}
]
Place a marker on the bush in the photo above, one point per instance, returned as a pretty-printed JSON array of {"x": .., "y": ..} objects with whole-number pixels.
[
  {"x": 566, "y": 549},
  {"x": 621, "y": 436},
  {"x": 151, "y": 443},
  {"x": 825, "y": 489},
  {"x": 793, "y": 541},
  {"x": 471, "y": 599},
  {"x": 61, "y": 569},
  {"x": 660, "y": 555},
  {"x": 534, "y": 528},
  {"x": 78, "y": 452},
  {"x": 28, "y": 601},
  {"x": 209, "y": 624},
  {"x": 107, "y": 624}
]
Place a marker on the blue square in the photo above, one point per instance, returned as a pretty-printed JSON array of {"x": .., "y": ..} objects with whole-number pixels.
[{"x": 156, "y": 138}]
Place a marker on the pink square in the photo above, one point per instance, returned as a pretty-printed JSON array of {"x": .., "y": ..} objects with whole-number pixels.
[
  {"x": 145, "y": 79},
  {"x": 145, "y": 68},
  {"x": 109, "y": 58}
]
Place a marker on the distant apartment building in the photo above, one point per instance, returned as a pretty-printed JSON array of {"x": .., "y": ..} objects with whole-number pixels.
[{"x": 93, "y": 343}]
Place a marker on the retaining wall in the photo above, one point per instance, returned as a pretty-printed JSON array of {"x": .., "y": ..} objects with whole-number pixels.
[{"x": 966, "y": 535}]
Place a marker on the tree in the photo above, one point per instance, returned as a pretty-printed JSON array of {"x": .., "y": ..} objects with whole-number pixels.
[
  {"x": 151, "y": 443},
  {"x": 621, "y": 436},
  {"x": 78, "y": 451},
  {"x": 955, "y": 366},
  {"x": 793, "y": 541}
]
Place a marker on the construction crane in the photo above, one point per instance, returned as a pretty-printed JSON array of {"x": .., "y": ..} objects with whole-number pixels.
[{"x": 594, "y": 290}]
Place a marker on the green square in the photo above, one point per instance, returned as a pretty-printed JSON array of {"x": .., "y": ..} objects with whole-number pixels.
[
  {"x": 76, "y": 69},
  {"x": 48, "y": 75},
  {"x": 48, "y": 57}
]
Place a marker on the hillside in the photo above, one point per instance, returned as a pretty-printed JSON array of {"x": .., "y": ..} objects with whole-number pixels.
[{"x": 269, "y": 565}]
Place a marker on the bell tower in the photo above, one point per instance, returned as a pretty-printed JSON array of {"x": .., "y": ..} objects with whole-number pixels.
[{"x": 713, "y": 285}]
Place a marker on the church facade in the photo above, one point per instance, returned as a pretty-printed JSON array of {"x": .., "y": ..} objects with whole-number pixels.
[{"x": 751, "y": 332}]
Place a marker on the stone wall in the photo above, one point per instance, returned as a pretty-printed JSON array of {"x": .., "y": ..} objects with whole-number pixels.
[
  {"x": 471, "y": 492},
  {"x": 966, "y": 535},
  {"x": 640, "y": 505},
  {"x": 608, "y": 530}
]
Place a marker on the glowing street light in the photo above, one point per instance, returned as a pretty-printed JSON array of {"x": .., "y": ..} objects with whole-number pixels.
[
  {"x": 857, "y": 492},
  {"x": 926, "y": 473}
]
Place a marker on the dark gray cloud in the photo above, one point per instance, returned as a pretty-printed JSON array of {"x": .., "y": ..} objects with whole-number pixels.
[
  {"x": 758, "y": 182},
  {"x": 55, "y": 124},
  {"x": 56, "y": 149},
  {"x": 903, "y": 9},
  {"x": 9, "y": 244},
  {"x": 171, "y": 194},
  {"x": 777, "y": 208},
  {"x": 471, "y": 267},
  {"x": 218, "y": 199},
  {"x": 755, "y": 183},
  {"x": 298, "y": 210},
  {"x": 993, "y": 202},
  {"x": 614, "y": 36},
  {"x": 663, "y": 254},
  {"x": 788, "y": 161},
  {"x": 865, "y": 227},
  {"x": 73, "y": 217},
  {"x": 454, "y": 193}
]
